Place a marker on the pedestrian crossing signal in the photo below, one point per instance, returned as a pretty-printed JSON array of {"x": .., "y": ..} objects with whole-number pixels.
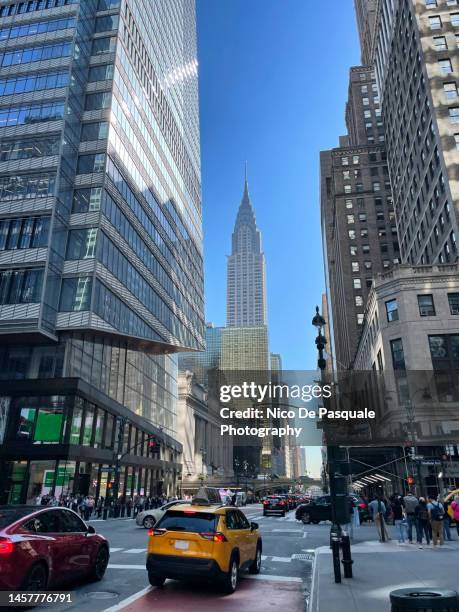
[{"x": 410, "y": 480}]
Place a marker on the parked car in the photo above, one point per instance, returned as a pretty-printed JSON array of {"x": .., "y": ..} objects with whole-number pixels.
[
  {"x": 275, "y": 505},
  {"x": 41, "y": 547},
  {"x": 319, "y": 509},
  {"x": 149, "y": 518}
]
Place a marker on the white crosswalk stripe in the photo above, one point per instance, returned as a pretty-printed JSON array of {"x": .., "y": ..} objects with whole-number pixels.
[
  {"x": 134, "y": 551},
  {"x": 112, "y": 550}
]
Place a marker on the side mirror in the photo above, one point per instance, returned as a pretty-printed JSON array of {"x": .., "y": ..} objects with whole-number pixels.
[
  {"x": 90, "y": 529},
  {"x": 253, "y": 526}
]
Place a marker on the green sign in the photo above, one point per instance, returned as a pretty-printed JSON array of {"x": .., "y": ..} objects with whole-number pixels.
[
  {"x": 48, "y": 427},
  {"x": 63, "y": 477}
]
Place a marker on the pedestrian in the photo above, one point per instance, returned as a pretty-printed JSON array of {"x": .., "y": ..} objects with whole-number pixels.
[
  {"x": 422, "y": 517},
  {"x": 378, "y": 510},
  {"x": 455, "y": 508},
  {"x": 446, "y": 519},
  {"x": 410, "y": 503},
  {"x": 400, "y": 523},
  {"x": 436, "y": 516}
]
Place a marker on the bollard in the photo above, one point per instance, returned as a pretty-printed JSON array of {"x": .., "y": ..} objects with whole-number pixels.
[
  {"x": 347, "y": 558},
  {"x": 335, "y": 553}
]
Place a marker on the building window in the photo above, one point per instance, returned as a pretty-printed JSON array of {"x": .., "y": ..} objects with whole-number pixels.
[
  {"x": 365, "y": 101},
  {"x": 355, "y": 159},
  {"x": 392, "y": 311},
  {"x": 451, "y": 2},
  {"x": 435, "y": 22},
  {"x": 445, "y": 66},
  {"x": 347, "y": 189},
  {"x": 455, "y": 19},
  {"x": 360, "y": 318},
  {"x": 345, "y": 161},
  {"x": 426, "y": 305},
  {"x": 357, "y": 283},
  {"x": 351, "y": 234},
  {"x": 376, "y": 186},
  {"x": 75, "y": 294},
  {"x": 431, "y": 3},
  {"x": 353, "y": 250},
  {"x": 380, "y": 361},
  {"x": 91, "y": 163},
  {"x": 348, "y": 203},
  {"x": 453, "y": 299},
  {"x": 20, "y": 286},
  {"x": 368, "y": 265},
  {"x": 355, "y": 266},
  {"x": 350, "y": 219},
  {"x": 81, "y": 244},
  {"x": 365, "y": 248},
  {"x": 364, "y": 233},
  {"x": 362, "y": 217},
  {"x": 398, "y": 357},
  {"x": 454, "y": 115},
  {"x": 450, "y": 90},
  {"x": 86, "y": 200},
  {"x": 358, "y": 300}
]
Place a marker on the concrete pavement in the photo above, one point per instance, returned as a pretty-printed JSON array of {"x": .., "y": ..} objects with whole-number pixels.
[{"x": 380, "y": 568}]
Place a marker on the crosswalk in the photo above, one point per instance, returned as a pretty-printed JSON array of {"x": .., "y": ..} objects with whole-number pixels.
[{"x": 288, "y": 518}]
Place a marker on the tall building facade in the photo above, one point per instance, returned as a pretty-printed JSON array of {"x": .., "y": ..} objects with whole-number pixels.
[
  {"x": 358, "y": 223},
  {"x": 200, "y": 362},
  {"x": 100, "y": 240},
  {"x": 366, "y": 19},
  {"x": 246, "y": 282},
  {"x": 416, "y": 59}
]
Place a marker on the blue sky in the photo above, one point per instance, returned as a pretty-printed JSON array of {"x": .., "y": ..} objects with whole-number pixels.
[{"x": 273, "y": 86}]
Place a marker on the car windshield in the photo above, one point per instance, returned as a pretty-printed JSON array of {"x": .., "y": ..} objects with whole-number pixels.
[
  {"x": 194, "y": 522},
  {"x": 9, "y": 515}
]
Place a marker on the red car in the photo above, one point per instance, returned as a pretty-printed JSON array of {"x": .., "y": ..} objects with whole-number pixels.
[{"x": 41, "y": 547}]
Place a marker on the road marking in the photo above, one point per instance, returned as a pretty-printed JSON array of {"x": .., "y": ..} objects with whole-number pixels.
[
  {"x": 281, "y": 559},
  {"x": 264, "y": 557},
  {"x": 288, "y": 530},
  {"x": 273, "y": 578},
  {"x": 127, "y": 567},
  {"x": 135, "y": 551},
  {"x": 116, "y": 549},
  {"x": 129, "y": 600}
]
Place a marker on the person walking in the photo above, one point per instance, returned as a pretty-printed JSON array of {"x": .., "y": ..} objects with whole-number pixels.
[
  {"x": 446, "y": 520},
  {"x": 436, "y": 516},
  {"x": 455, "y": 507},
  {"x": 410, "y": 503},
  {"x": 378, "y": 510},
  {"x": 422, "y": 517},
  {"x": 398, "y": 514}
]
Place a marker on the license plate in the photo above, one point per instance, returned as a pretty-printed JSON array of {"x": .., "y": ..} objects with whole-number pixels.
[{"x": 181, "y": 544}]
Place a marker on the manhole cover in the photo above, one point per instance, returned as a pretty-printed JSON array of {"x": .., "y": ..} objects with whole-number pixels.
[
  {"x": 304, "y": 557},
  {"x": 102, "y": 595}
]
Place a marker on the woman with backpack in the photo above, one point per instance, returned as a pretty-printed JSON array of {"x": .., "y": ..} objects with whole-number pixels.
[
  {"x": 455, "y": 507},
  {"x": 422, "y": 517},
  {"x": 436, "y": 515}
]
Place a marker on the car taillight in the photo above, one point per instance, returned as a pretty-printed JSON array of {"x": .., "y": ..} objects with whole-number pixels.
[
  {"x": 156, "y": 532},
  {"x": 362, "y": 506},
  {"x": 266, "y": 502},
  {"x": 282, "y": 503},
  {"x": 6, "y": 546},
  {"x": 215, "y": 537}
]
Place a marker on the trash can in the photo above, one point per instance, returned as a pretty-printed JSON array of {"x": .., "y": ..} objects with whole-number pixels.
[{"x": 424, "y": 600}]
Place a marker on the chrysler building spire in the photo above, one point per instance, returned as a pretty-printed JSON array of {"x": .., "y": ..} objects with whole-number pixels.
[{"x": 246, "y": 286}]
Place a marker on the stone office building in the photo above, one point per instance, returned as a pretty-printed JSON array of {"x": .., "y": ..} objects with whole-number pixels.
[{"x": 100, "y": 242}]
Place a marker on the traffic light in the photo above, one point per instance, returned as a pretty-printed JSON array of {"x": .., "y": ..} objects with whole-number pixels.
[
  {"x": 410, "y": 480},
  {"x": 153, "y": 446}
]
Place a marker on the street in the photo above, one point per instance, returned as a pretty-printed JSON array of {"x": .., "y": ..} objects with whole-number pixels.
[{"x": 284, "y": 580}]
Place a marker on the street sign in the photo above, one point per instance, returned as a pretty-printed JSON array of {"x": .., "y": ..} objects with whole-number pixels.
[
  {"x": 417, "y": 457},
  {"x": 108, "y": 469}
]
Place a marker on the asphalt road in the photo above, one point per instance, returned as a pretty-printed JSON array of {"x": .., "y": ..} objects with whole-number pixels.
[{"x": 288, "y": 549}]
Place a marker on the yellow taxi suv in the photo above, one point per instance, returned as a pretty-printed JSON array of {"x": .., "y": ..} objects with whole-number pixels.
[{"x": 203, "y": 539}]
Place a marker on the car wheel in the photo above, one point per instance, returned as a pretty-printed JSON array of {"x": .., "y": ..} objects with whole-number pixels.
[
  {"x": 149, "y": 522},
  {"x": 155, "y": 580},
  {"x": 36, "y": 578},
  {"x": 229, "y": 581},
  {"x": 306, "y": 518},
  {"x": 255, "y": 566},
  {"x": 100, "y": 564}
]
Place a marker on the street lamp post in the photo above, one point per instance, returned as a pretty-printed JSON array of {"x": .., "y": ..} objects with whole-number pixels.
[{"x": 333, "y": 459}]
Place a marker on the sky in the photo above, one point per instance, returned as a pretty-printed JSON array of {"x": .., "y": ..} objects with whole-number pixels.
[{"x": 273, "y": 86}]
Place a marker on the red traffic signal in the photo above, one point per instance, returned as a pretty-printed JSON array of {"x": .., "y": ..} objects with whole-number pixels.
[{"x": 410, "y": 480}]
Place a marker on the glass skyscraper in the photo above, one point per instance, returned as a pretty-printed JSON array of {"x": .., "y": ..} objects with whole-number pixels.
[{"x": 100, "y": 240}]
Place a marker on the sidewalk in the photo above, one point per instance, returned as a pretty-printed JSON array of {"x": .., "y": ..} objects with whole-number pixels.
[{"x": 379, "y": 569}]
